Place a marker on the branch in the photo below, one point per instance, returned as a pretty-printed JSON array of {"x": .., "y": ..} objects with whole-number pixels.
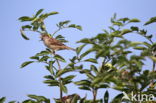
[
  {"x": 94, "y": 95},
  {"x": 59, "y": 29}
]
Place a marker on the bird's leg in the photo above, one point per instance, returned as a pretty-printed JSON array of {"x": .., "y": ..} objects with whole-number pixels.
[{"x": 53, "y": 52}]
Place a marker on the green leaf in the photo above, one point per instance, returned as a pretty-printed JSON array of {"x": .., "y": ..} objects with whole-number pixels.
[
  {"x": 52, "y": 13},
  {"x": 147, "y": 44},
  {"x": 90, "y": 75},
  {"x": 35, "y": 25},
  {"x": 49, "y": 77},
  {"x": 26, "y": 63},
  {"x": 68, "y": 78},
  {"x": 118, "y": 23},
  {"x": 143, "y": 32},
  {"x": 82, "y": 100},
  {"x": 44, "y": 58},
  {"x": 106, "y": 96},
  {"x": 85, "y": 40},
  {"x": 64, "y": 22},
  {"x": 140, "y": 48},
  {"x": 63, "y": 71},
  {"x": 34, "y": 57},
  {"x": 23, "y": 35},
  {"x": 57, "y": 100},
  {"x": 51, "y": 67},
  {"x": 25, "y": 18},
  {"x": 125, "y": 31},
  {"x": 51, "y": 82},
  {"x": 134, "y": 28},
  {"x": 84, "y": 88},
  {"x": 118, "y": 98},
  {"x": 91, "y": 60},
  {"x": 2, "y": 100},
  {"x": 58, "y": 57},
  {"x": 83, "y": 82},
  {"x": 63, "y": 88},
  {"x": 75, "y": 26},
  {"x": 42, "y": 53},
  {"x": 134, "y": 20},
  {"x": 97, "y": 80},
  {"x": 79, "y": 27},
  {"x": 39, "y": 12},
  {"x": 86, "y": 53},
  {"x": 152, "y": 20},
  {"x": 103, "y": 86},
  {"x": 61, "y": 38},
  {"x": 79, "y": 49},
  {"x": 153, "y": 58},
  {"x": 43, "y": 27},
  {"x": 75, "y": 98},
  {"x": 26, "y": 27},
  {"x": 39, "y": 98},
  {"x": 29, "y": 101},
  {"x": 44, "y": 16},
  {"x": 124, "y": 19},
  {"x": 100, "y": 53},
  {"x": 149, "y": 36},
  {"x": 93, "y": 68},
  {"x": 111, "y": 28}
]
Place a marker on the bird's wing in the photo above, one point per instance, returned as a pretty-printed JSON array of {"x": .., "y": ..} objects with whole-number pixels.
[{"x": 55, "y": 42}]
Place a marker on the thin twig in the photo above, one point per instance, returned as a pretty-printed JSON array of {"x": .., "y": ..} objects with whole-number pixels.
[
  {"x": 58, "y": 63},
  {"x": 59, "y": 29},
  {"x": 56, "y": 31}
]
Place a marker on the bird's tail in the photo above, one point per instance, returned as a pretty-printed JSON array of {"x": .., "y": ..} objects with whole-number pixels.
[{"x": 71, "y": 49}]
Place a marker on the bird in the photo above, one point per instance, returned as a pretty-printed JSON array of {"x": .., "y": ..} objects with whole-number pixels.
[{"x": 54, "y": 44}]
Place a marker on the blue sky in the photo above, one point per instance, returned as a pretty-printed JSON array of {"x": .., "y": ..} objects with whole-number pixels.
[{"x": 92, "y": 15}]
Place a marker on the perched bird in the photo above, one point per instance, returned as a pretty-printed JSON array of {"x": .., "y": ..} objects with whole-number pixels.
[{"x": 54, "y": 44}]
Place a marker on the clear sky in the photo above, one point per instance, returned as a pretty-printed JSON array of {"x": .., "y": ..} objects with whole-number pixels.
[{"x": 92, "y": 15}]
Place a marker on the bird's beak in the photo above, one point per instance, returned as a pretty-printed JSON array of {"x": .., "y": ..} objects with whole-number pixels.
[{"x": 41, "y": 39}]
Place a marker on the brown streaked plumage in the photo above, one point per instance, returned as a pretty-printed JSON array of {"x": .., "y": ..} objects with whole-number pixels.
[{"x": 53, "y": 43}]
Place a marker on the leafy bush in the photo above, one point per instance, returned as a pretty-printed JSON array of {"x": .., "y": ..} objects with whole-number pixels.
[{"x": 114, "y": 61}]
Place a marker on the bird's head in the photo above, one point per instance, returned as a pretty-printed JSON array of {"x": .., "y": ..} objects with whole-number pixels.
[{"x": 44, "y": 36}]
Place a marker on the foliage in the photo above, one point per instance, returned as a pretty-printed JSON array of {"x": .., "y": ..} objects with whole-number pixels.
[{"x": 113, "y": 60}]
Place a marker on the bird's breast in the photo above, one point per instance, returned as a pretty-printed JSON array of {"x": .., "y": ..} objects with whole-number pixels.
[{"x": 47, "y": 43}]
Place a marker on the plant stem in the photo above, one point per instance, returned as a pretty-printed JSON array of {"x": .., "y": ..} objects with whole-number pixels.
[
  {"x": 153, "y": 70},
  {"x": 60, "y": 28},
  {"x": 94, "y": 95},
  {"x": 61, "y": 93},
  {"x": 153, "y": 66},
  {"x": 56, "y": 31}
]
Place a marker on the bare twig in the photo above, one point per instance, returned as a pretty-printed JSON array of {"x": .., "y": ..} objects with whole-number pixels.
[{"x": 59, "y": 29}]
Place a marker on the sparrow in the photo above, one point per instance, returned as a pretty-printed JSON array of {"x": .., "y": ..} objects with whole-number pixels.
[{"x": 54, "y": 44}]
